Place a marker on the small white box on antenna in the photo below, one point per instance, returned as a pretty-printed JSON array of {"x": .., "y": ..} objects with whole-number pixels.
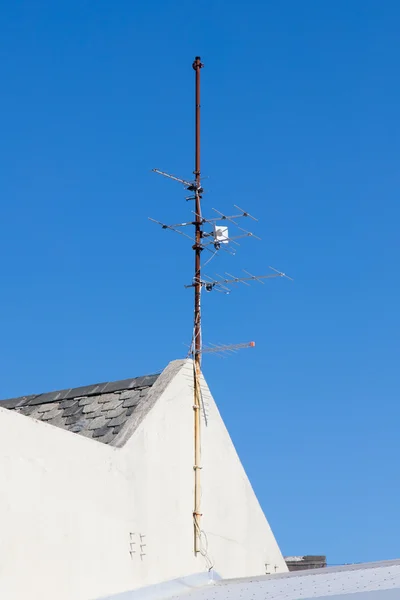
[{"x": 221, "y": 234}]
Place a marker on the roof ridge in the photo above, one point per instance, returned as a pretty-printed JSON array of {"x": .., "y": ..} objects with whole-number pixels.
[
  {"x": 80, "y": 391},
  {"x": 99, "y": 411},
  {"x": 104, "y": 412}
]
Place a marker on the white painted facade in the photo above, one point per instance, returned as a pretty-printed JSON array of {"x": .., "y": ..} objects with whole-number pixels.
[{"x": 80, "y": 519}]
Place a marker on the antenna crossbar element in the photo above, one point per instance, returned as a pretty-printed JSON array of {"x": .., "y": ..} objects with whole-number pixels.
[
  {"x": 231, "y": 220},
  {"x": 245, "y": 213},
  {"x": 172, "y": 225},
  {"x": 230, "y": 239},
  {"x": 172, "y": 228},
  {"x": 224, "y": 217},
  {"x": 210, "y": 284},
  {"x": 214, "y": 349},
  {"x": 222, "y": 349},
  {"x": 236, "y": 279},
  {"x": 281, "y": 274},
  {"x": 192, "y": 186}
]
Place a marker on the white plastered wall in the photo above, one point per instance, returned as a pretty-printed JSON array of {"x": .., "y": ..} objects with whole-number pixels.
[{"x": 79, "y": 519}]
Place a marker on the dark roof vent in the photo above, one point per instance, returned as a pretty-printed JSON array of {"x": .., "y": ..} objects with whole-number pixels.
[{"x": 301, "y": 563}]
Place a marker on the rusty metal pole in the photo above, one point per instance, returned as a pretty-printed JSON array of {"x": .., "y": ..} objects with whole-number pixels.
[{"x": 197, "y": 65}]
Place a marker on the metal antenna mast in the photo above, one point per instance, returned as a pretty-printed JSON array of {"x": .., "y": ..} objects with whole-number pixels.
[
  {"x": 197, "y": 66},
  {"x": 213, "y": 240}
]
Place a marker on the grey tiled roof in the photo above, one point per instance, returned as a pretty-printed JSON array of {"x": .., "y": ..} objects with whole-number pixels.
[{"x": 97, "y": 411}]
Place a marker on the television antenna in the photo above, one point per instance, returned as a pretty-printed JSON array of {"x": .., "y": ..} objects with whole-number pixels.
[{"x": 209, "y": 235}]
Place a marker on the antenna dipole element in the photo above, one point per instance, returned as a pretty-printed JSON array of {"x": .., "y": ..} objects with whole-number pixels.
[{"x": 197, "y": 344}]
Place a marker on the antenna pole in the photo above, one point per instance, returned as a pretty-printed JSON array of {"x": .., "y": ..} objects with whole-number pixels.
[
  {"x": 197, "y": 343},
  {"x": 197, "y": 65},
  {"x": 211, "y": 241}
]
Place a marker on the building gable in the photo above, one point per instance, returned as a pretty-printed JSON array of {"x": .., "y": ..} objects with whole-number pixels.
[{"x": 104, "y": 518}]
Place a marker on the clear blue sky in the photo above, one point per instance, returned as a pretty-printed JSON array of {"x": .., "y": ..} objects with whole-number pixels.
[{"x": 301, "y": 127}]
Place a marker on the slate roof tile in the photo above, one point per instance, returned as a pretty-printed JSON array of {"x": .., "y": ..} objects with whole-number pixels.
[
  {"x": 57, "y": 421},
  {"x": 45, "y": 408},
  {"x": 73, "y": 419},
  {"x": 120, "y": 420},
  {"x": 28, "y": 410},
  {"x": 35, "y": 414},
  {"x": 132, "y": 400},
  {"x": 98, "y": 411},
  {"x": 98, "y": 422},
  {"x": 112, "y": 404},
  {"x": 117, "y": 429},
  {"x": 94, "y": 414},
  {"x": 87, "y": 433},
  {"x": 86, "y": 400},
  {"x": 51, "y": 414},
  {"x": 79, "y": 426},
  {"x": 127, "y": 394},
  {"x": 73, "y": 409},
  {"x": 107, "y": 438},
  {"x": 101, "y": 431},
  {"x": 91, "y": 408},
  {"x": 68, "y": 403},
  {"x": 113, "y": 414},
  {"x": 109, "y": 397}
]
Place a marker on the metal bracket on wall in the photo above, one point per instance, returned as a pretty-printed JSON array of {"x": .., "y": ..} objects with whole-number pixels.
[
  {"x": 132, "y": 544},
  {"x": 142, "y": 545}
]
